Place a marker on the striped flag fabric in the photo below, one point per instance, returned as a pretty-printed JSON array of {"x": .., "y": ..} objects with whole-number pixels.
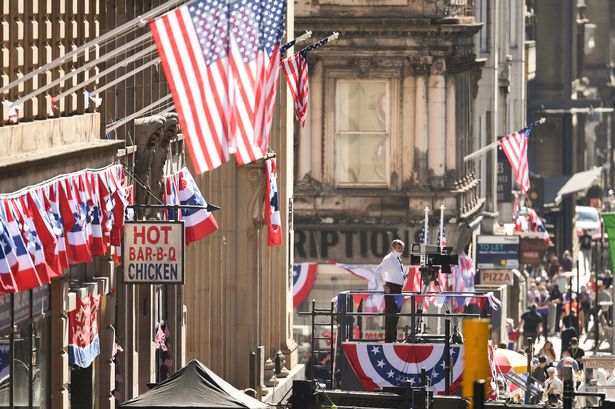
[
  {"x": 199, "y": 223},
  {"x": 304, "y": 275},
  {"x": 537, "y": 226},
  {"x": 221, "y": 59},
  {"x": 25, "y": 275},
  {"x": 8, "y": 261},
  {"x": 515, "y": 148},
  {"x": 272, "y": 205},
  {"x": 296, "y": 71},
  {"x": 384, "y": 365}
]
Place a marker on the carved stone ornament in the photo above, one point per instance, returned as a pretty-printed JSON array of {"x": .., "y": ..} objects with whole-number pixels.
[
  {"x": 153, "y": 135},
  {"x": 362, "y": 66},
  {"x": 421, "y": 65},
  {"x": 438, "y": 67},
  {"x": 477, "y": 74}
]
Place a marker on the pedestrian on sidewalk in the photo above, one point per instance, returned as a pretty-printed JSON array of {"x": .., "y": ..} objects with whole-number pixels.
[
  {"x": 554, "y": 388},
  {"x": 567, "y": 262},
  {"x": 542, "y": 307},
  {"x": 585, "y": 244},
  {"x": 556, "y": 298},
  {"x": 576, "y": 352},
  {"x": 540, "y": 372},
  {"x": 603, "y": 298},
  {"x": 548, "y": 351},
  {"x": 585, "y": 302},
  {"x": 530, "y": 324}
]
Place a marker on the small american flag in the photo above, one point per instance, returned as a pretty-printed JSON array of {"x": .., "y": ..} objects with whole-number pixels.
[
  {"x": 221, "y": 59},
  {"x": 296, "y": 70},
  {"x": 442, "y": 236},
  {"x": 515, "y": 148}
]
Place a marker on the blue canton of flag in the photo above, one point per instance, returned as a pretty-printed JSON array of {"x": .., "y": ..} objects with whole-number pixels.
[
  {"x": 424, "y": 239},
  {"x": 221, "y": 59}
]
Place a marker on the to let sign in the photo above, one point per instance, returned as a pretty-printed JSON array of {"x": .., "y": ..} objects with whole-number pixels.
[
  {"x": 154, "y": 252},
  {"x": 497, "y": 252}
]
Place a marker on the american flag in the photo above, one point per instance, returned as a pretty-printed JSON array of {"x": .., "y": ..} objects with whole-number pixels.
[
  {"x": 296, "y": 71},
  {"x": 221, "y": 59},
  {"x": 515, "y": 148}
]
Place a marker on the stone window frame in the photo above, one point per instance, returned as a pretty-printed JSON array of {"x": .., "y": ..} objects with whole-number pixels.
[{"x": 330, "y": 177}]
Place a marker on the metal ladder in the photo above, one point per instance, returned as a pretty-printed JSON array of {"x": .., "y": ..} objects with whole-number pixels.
[{"x": 322, "y": 372}]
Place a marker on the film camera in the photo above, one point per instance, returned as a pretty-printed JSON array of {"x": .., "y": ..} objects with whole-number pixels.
[{"x": 431, "y": 259}]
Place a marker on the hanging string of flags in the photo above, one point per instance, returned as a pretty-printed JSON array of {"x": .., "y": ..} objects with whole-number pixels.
[
  {"x": 181, "y": 189},
  {"x": 46, "y": 228}
]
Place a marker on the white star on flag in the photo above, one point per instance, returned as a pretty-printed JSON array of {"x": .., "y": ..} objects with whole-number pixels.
[
  {"x": 380, "y": 364},
  {"x": 375, "y": 350},
  {"x": 390, "y": 373}
]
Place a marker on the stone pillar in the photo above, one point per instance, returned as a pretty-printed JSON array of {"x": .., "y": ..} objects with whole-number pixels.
[
  {"x": 316, "y": 107},
  {"x": 144, "y": 341},
  {"x": 421, "y": 124},
  {"x": 60, "y": 372},
  {"x": 407, "y": 129},
  {"x": 451, "y": 130},
  {"x": 437, "y": 124}
]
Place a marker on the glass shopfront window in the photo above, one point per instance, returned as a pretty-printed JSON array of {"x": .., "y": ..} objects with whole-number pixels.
[{"x": 25, "y": 333}]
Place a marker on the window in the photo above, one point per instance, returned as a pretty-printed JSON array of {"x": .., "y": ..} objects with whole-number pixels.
[{"x": 362, "y": 132}]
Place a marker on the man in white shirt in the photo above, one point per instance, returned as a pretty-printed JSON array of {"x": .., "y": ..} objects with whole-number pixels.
[
  {"x": 553, "y": 386},
  {"x": 391, "y": 273}
]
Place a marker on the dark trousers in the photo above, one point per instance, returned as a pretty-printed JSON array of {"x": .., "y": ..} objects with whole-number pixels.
[{"x": 390, "y": 307}]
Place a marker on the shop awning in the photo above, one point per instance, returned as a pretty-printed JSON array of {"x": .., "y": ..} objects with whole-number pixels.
[{"x": 579, "y": 182}]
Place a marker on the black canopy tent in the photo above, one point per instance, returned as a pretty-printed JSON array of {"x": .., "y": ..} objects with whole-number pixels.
[{"x": 194, "y": 386}]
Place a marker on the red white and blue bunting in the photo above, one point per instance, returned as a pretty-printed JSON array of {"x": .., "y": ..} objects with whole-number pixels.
[
  {"x": 384, "y": 365},
  {"x": 304, "y": 275}
]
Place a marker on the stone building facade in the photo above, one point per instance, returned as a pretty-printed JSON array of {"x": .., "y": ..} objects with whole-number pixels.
[
  {"x": 236, "y": 296},
  {"x": 390, "y": 118}
]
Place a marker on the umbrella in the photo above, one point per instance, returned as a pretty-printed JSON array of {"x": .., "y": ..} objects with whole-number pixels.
[{"x": 506, "y": 360}]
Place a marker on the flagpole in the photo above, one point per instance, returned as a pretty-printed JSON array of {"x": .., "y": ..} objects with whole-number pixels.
[
  {"x": 425, "y": 227},
  {"x": 109, "y": 70},
  {"x": 123, "y": 77},
  {"x": 320, "y": 43},
  {"x": 495, "y": 144},
  {"x": 113, "y": 126},
  {"x": 97, "y": 41},
  {"x": 291, "y": 43},
  {"x": 84, "y": 67},
  {"x": 441, "y": 227}
]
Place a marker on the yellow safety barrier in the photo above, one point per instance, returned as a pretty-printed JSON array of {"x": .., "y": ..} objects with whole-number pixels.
[{"x": 475, "y": 355}]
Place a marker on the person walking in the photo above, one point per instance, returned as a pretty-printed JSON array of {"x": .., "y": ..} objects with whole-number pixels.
[
  {"x": 531, "y": 323},
  {"x": 585, "y": 303},
  {"x": 391, "y": 274},
  {"x": 554, "y": 388},
  {"x": 567, "y": 261},
  {"x": 576, "y": 351},
  {"x": 585, "y": 244},
  {"x": 540, "y": 372}
]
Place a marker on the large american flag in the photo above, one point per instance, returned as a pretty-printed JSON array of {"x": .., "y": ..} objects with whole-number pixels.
[
  {"x": 515, "y": 148},
  {"x": 221, "y": 59},
  {"x": 296, "y": 70}
]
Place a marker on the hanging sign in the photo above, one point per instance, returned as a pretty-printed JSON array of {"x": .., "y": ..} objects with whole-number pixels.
[
  {"x": 496, "y": 277},
  {"x": 496, "y": 252},
  {"x": 154, "y": 252}
]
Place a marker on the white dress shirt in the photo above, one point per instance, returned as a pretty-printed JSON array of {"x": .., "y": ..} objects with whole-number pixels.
[{"x": 391, "y": 270}]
